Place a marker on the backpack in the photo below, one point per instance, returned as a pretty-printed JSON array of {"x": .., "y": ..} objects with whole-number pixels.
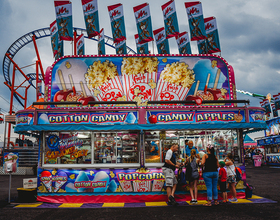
[
  {"x": 188, "y": 172},
  {"x": 195, "y": 173},
  {"x": 238, "y": 174}
]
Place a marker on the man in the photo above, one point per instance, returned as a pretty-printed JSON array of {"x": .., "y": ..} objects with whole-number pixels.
[
  {"x": 189, "y": 146},
  {"x": 168, "y": 170}
]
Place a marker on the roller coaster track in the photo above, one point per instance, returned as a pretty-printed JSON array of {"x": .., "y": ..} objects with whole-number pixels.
[{"x": 40, "y": 33}]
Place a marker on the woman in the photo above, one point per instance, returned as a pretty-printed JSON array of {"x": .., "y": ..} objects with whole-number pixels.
[
  {"x": 194, "y": 161},
  {"x": 210, "y": 175},
  {"x": 231, "y": 176}
]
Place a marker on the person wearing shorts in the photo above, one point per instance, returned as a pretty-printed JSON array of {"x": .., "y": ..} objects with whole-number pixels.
[{"x": 168, "y": 170}]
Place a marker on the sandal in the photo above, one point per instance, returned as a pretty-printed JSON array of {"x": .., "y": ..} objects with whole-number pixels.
[
  {"x": 208, "y": 203},
  {"x": 216, "y": 202}
]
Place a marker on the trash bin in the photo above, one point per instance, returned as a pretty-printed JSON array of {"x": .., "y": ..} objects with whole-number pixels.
[
  {"x": 249, "y": 191},
  {"x": 257, "y": 160},
  {"x": 27, "y": 195}
]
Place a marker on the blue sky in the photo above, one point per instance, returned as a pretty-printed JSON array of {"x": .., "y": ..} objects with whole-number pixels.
[{"x": 249, "y": 37}]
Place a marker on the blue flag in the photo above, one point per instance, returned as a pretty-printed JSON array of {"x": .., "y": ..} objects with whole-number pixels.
[
  {"x": 64, "y": 22},
  {"x": 117, "y": 22},
  {"x": 143, "y": 23},
  {"x": 196, "y": 21},
  {"x": 170, "y": 19},
  {"x": 183, "y": 42},
  {"x": 213, "y": 43},
  {"x": 141, "y": 48},
  {"x": 90, "y": 9},
  {"x": 101, "y": 43},
  {"x": 161, "y": 41}
]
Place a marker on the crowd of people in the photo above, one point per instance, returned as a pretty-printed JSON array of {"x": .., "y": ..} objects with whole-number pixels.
[{"x": 213, "y": 173}]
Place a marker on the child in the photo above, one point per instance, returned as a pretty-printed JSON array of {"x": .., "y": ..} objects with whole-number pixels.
[{"x": 223, "y": 180}]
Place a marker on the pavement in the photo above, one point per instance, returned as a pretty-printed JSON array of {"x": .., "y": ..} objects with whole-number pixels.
[{"x": 265, "y": 204}]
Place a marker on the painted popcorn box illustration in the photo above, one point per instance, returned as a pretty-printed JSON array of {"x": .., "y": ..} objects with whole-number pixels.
[
  {"x": 104, "y": 81},
  {"x": 126, "y": 186},
  {"x": 175, "y": 82},
  {"x": 142, "y": 186},
  {"x": 157, "y": 185},
  {"x": 139, "y": 75}
]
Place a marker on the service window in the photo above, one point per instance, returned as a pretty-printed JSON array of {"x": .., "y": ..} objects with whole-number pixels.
[
  {"x": 67, "y": 148},
  {"x": 116, "y": 147}
]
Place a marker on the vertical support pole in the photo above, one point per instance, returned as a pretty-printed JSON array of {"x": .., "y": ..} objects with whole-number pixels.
[
  {"x": 10, "y": 184},
  {"x": 241, "y": 145},
  {"x": 75, "y": 43},
  {"x": 11, "y": 103},
  {"x": 142, "y": 149}
]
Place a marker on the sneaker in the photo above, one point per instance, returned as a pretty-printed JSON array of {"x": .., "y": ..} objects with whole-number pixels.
[
  {"x": 193, "y": 201},
  {"x": 169, "y": 203},
  {"x": 233, "y": 200},
  {"x": 172, "y": 200}
]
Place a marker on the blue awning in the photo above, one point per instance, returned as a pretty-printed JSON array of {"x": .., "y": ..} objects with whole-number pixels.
[{"x": 119, "y": 127}]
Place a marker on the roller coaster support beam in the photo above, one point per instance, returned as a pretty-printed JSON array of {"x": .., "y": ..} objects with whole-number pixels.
[
  {"x": 38, "y": 57},
  {"x": 13, "y": 89}
]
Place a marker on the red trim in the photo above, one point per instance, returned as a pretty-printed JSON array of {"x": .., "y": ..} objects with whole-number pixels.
[
  {"x": 66, "y": 38},
  {"x": 86, "y": 1},
  {"x": 138, "y": 7},
  {"x": 196, "y": 38},
  {"x": 208, "y": 19},
  {"x": 52, "y": 24},
  {"x": 158, "y": 30},
  {"x": 124, "y": 198},
  {"x": 190, "y": 4},
  {"x": 136, "y": 36},
  {"x": 181, "y": 34},
  {"x": 166, "y": 4},
  {"x": 59, "y": 3},
  {"x": 111, "y": 7}
]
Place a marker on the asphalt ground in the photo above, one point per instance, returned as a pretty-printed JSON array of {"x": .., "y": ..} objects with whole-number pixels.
[{"x": 265, "y": 180}]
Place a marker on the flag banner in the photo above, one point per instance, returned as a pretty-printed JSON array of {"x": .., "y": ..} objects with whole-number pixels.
[
  {"x": 101, "y": 43},
  {"x": 183, "y": 42},
  {"x": 121, "y": 47},
  {"x": 196, "y": 21},
  {"x": 170, "y": 19},
  {"x": 63, "y": 10},
  {"x": 60, "y": 50},
  {"x": 90, "y": 9},
  {"x": 277, "y": 101},
  {"x": 141, "y": 48},
  {"x": 81, "y": 45},
  {"x": 161, "y": 41},
  {"x": 143, "y": 22},
  {"x": 117, "y": 22},
  {"x": 202, "y": 47},
  {"x": 213, "y": 43},
  {"x": 274, "y": 110},
  {"x": 54, "y": 37},
  {"x": 266, "y": 106}
]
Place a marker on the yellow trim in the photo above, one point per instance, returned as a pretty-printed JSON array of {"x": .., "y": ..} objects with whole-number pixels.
[
  {"x": 70, "y": 205},
  {"x": 28, "y": 205},
  {"x": 113, "y": 205},
  {"x": 156, "y": 203}
]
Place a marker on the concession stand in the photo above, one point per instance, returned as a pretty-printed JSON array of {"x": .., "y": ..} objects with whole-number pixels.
[
  {"x": 108, "y": 121},
  {"x": 271, "y": 142}
]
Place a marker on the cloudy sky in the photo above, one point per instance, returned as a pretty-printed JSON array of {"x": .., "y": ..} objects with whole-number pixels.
[{"x": 248, "y": 30}]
